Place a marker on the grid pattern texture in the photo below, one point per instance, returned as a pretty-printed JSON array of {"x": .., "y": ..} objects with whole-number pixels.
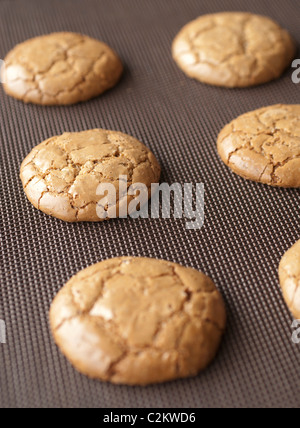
[{"x": 247, "y": 226}]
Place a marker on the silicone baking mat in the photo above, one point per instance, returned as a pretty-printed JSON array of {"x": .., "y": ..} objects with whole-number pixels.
[{"x": 247, "y": 226}]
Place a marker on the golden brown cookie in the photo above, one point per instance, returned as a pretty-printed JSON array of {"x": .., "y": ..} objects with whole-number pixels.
[
  {"x": 264, "y": 145},
  {"x": 61, "y": 175},
  {"x": 289, "y": 274},
  {"x": 60, "y": 69},
  {"x": 138, "y": 321},
  {"x": 233, "y": 49}
]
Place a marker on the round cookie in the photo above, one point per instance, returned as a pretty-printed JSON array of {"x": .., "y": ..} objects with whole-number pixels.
[
  {"x": 61, "y": 175},
  {"x": 60, "y": 69},
  {"x": 289, "y": 274},
  {"x": 264, "y": 145},
  {"x": 138, "y": 321},
  {"x": 233, "y": 49}
]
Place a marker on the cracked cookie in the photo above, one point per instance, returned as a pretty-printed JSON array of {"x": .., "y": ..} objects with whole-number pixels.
[
  {"x": 264, "y": 145},
  {"x": 138, "y": 321},
  {"x": 60, "y": 69},
  {"x": 233, "y": 49},
  {"x": 61, "y": 175},
  {"x": 289, "y": 274}
]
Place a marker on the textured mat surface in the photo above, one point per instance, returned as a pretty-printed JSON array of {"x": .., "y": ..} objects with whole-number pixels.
[{"x": 247, "y": 227}]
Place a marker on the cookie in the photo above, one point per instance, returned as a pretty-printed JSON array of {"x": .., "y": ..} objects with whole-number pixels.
[
  {"x": 60, "y": 69},
  {"x": 264, "y": 145},
  {"x": 289, "y": 274},
  {"x": 138, "y": 321},
  {"x": 61, "y": 175},
  {"x": 233, "y": 49}
]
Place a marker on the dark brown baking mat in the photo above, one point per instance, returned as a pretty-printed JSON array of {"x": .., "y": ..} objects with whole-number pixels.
[{"x": 247, "y": 228}]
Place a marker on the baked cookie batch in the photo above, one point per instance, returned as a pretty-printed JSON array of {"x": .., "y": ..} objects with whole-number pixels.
[
  {"x": 61, "y": 175},
  {"x": 289, "y": 273},
  {"x": 264, "y": 145},
  {"x": 233, "y": 50},
  {"x": 60, "y": 69},
  {"x": 139, "y": 321}
]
